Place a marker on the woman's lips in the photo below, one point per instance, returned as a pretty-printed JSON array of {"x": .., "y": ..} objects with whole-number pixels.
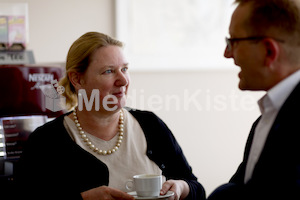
[{"x": 119, "y": 94}]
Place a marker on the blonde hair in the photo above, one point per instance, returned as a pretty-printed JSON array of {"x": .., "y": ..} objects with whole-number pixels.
[{"x": 78, "y": 60}]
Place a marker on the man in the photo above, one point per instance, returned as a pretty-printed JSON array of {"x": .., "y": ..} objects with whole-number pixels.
[{"x": 265, "y": 43}]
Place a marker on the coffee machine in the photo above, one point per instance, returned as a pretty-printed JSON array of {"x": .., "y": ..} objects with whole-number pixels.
[{"x": 23, "y": 107}]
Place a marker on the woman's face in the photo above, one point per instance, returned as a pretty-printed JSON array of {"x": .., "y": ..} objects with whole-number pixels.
[{"x": 107, "y": 72}]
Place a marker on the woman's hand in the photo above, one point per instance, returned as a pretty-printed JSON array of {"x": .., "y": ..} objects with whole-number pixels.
[
  {"x": 180, "y": 188},
  {"x": 105, "y": 193}
]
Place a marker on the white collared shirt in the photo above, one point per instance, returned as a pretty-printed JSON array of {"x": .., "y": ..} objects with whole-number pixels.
[{"x": 269, "y": 105}]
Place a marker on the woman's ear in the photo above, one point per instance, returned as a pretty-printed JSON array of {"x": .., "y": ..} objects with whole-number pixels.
[
  {"x": 75, "y": 79},
  {"x": 272, "y": 51}
]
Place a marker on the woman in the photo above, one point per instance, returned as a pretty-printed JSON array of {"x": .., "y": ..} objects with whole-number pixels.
[{"x": 91, "y": 152}]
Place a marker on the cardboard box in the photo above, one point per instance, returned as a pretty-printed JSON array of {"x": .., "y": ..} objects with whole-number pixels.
[
  {"x": 16, "y": 33},
  {"x": 3, "y": 32}
]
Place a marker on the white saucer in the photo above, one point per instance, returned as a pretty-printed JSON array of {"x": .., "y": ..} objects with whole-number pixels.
[{"x": 169, "y": 193}]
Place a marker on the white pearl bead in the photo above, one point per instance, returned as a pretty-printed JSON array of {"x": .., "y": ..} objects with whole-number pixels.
[{"x": 91, "y": 145}]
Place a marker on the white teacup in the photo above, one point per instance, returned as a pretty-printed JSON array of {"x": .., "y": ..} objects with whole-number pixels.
[{"x": 145, "y": 185}]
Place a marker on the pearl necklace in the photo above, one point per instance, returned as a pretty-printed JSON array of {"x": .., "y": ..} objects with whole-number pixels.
[{"x": 91, "y": 145}]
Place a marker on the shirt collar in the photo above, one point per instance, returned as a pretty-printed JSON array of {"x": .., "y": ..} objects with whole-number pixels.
[{"x": 277, "y": 95}]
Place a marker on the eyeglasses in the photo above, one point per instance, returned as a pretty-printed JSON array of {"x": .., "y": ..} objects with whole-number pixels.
[{"x": 230, "y": 41}]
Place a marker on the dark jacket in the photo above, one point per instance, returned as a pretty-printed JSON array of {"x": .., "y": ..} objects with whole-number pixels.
[
  {"x": 53, "y": 166},
  {"x": 277, "y": 172}
]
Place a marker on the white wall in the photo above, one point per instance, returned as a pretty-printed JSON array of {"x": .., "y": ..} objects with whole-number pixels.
[
  {"x": 55, "y": 24},
  {"x": 208, "y": 115}
]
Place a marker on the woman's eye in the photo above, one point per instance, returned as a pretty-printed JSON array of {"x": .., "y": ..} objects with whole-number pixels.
[
  {"x": 108, "y": 71},
  {"x": 125, "y": 69}
]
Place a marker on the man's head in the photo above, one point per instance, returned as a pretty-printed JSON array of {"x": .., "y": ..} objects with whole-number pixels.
[{"x": 265, "y": 41}]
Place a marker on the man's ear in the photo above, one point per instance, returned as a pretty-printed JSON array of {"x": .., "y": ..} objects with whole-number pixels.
[
  {"x": 75, "y": 79},
  {"x": 272, "y": 51}
]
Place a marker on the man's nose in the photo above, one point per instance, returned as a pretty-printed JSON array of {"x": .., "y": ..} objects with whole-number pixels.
[{"x": 228, "y": 52}]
